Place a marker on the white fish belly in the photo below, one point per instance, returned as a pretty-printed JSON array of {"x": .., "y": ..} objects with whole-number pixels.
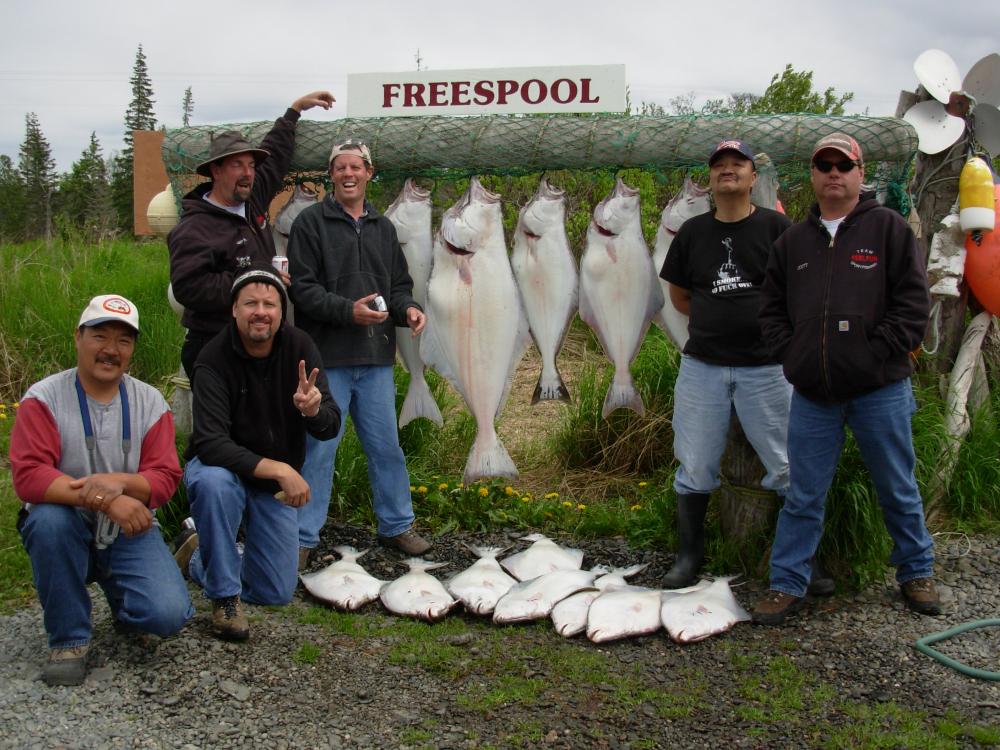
[
  {"x": 417, "y": 595},
  {"x": 547, "y": 279},
  {"x": 623, "y": 613},
  {"x": 569, "y": 617}
]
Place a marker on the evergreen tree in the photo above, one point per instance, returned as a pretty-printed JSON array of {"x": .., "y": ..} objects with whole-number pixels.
[
  {"x": 85, "y": 196},
  {"x": 187, "y": 107},
  {"x": 11, "y": 201},
  {"x": 38, "y": 174},
  {"x": 138, "y": 116}
]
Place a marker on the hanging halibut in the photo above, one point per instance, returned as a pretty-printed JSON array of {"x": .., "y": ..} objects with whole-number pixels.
[
  {"x": 481, "y": 585},
  {"x": 302, "y": 198},
  {"x": 619, "y": 293},
  {"x": 547, "y": 278},
  {"x": 476, "y": 329},
  {"x": 410, "y": 213},
  {"x": 693, "y": 615},
  {"x": 418, "y": 593},
  {"x": 690, "y": 201},
  {"x": 543, "y": 556},
  {"x": 343, "y": 584}
]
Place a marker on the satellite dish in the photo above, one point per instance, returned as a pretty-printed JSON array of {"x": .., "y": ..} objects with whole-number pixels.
[
  {"x": 938, "y": 73},
  {"x": 983, "y": 80},
  {"x": 940, "y": 122},
  {"x": 936, "y": 129},
  {"x": 986, "y": 126}
]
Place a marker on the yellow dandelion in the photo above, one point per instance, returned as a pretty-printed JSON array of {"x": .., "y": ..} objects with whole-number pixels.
[
  {"x": 3, "y": 415},
  {"x": 636, "y": 507},
  {"x": 412, "y": 488},
  {"x": 443, "y": 486},
  {"x": 483, "y": 491},
  {"x": 551, "y": 495},
  {"x": 581, "y": 506},
  {"x": 567, "y": 504},
  {"x": 643, "y": 484},
  {"x": 508, "y": 490},
  {"x": 422, "y": 490},
  {"x": 526, "y": 499},
  {"x": 17, "y": 404}
]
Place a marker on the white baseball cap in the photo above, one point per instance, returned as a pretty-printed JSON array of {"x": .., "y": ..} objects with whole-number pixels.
[{"x": 108, "y": 308}]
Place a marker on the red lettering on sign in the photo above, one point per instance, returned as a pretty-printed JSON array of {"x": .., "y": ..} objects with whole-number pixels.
[
  {"x": 585, "y": 92},
  {"x": 506, "y": 89},
  {"x": 560, "y": 84},
  {"x": 389, "y": 92},
  {"x": 460, "y": 93},
  {"x": 543, "y": 91},
  {"x": 438, "y": 93},
  {"x": 413, "y": 95},
  {"x": 484, "y": 92}
]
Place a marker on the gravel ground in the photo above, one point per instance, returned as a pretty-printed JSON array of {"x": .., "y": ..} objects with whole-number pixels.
[{"x": 300, "y": 685}]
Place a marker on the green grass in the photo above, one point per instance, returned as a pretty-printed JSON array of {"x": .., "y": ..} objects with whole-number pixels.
[{"x": 308, "y": 653}]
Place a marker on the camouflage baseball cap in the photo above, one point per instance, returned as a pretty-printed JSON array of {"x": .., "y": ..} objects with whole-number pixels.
[{"x": 353, "y": 146}]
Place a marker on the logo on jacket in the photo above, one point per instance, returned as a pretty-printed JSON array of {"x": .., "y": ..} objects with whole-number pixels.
[
  {"x": 262, "y": 221},
  {"x": 243, "y": 261},
  {"x": 864, "y": 259},
  {"x": 729, "y": 277}
]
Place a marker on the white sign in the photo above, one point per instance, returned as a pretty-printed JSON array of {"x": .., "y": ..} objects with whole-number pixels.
[{"x": 581, "y": 88}]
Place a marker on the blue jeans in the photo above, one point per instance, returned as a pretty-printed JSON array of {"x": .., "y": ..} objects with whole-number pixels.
[
  {"x": 139, "y": 577},
  {"x": 369, "y": 393},
  {"x": 704, "y": 399},
  {"x": 880, "y": 422},
  {"x": 267, "y": 571}
]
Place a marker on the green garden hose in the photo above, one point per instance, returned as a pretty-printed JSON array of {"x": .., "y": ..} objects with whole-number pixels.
[{"x": 923, "y": 645}]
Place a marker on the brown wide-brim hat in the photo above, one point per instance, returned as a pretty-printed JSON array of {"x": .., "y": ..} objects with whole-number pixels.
[{"x": 226, "y": 144}]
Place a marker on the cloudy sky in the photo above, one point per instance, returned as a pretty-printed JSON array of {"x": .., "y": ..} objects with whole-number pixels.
[{"x": 69, "y": 62}]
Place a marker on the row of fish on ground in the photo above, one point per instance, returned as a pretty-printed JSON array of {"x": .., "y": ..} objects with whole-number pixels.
[
  {"x": 543, "y": 581},
  {"x": 484, "y": 305}
]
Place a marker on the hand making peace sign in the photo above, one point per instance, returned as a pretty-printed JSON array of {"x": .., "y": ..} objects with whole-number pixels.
[{"x": 307, "y": 396}]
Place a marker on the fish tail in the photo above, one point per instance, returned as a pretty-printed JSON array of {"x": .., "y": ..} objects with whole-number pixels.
[
  {"x": 550, "y": 387},
  {"x": 622, "y": 395},
  {"x": 419, "y": 402},
  {"x": 493, "y": 460}
]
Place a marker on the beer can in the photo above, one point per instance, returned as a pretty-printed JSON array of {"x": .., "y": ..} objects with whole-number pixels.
[{"x": 280, "y": 263}]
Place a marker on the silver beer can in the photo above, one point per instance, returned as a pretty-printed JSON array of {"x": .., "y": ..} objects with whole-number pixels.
[{"x": 280, "y": 263}]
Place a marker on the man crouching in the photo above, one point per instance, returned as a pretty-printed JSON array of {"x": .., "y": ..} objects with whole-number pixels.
[
  {"x": 252, "y": 405},
  {"x": 92, "y": 454}
]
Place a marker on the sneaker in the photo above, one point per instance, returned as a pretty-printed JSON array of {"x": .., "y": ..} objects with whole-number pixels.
[
  {"x": 66, "y": 666},
  {"x": 921, "y": 596},
  {"x": 184, "y": 546},
  {"x": 228, "y": 620},
  {"x": 305, "y": 554},
  {"x": 409, "y": 542},
  {"x": 775, "y": 607}
]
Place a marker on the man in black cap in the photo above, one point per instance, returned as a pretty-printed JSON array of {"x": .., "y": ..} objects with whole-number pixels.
[
  {"x": 223, "y": 227},
  {"x": 714, "y": 269},
  {"x": 253, "y": 405}
]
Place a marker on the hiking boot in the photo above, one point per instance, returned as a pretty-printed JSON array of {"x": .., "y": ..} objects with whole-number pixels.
[
  {"x": 66, "y": 666},
  {"x": 921, "y": 596},
  {"x": 228, "y": 620},
  {"x": 409, "y": 542},
  {"x": 184, "y": 546},
  {"x": 305, "y": 554},
  {"x": 775, "y": 607},
  {"x": 821, "y": 583}
]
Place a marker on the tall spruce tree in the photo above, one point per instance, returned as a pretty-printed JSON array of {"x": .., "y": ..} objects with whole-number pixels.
[
  {"x": 11, "y": 201},
  {"x": 138, "y": 116},
  {"x": 85, "y": 197},
  {"x": 187, "y": 107},
  {"x": 38, "y": 174}
]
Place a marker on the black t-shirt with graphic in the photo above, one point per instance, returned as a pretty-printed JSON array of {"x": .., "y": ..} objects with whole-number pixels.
[{"x": 722, "y": 265}]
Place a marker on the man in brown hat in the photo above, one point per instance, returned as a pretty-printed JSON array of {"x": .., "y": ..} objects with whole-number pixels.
[{"x": 223, "y": 229}]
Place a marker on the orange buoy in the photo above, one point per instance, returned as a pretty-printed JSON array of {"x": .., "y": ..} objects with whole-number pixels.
[{"x": 982, "y": 262}]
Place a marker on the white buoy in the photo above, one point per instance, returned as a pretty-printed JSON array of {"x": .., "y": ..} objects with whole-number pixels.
[{"x": 162, "y": 212}]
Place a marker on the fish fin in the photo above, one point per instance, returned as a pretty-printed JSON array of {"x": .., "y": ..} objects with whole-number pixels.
[
  {"x": 551, "y": 390},
  {"x": 419, "y": 402},
  {"x": 432, "y": 353},
  {"x": 623, "y": 396},
  {"x": 494, "y": 461}
]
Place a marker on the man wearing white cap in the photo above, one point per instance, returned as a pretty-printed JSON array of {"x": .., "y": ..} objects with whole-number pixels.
[
  {"x": 92, "y": 454},
  {"x": 845, "y": 301}
]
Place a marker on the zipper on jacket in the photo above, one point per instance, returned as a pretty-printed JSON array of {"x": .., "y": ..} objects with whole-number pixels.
[{"x": 824, "y": 333}]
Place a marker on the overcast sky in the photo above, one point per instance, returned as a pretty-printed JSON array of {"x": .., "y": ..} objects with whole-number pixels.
[{"x": 69, "y": 62}]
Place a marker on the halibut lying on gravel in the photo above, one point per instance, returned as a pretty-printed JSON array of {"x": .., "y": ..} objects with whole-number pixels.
[
  {"x": 481, "y": 585},
  {"x": 542, "y": 557},
  {"x": 535, "y": 598},
  {"x": 476, "y": 329},
  {"x": 619, "y": 293},
  {"x": 547, "y": 278},
  {"x": 343, "y": 584},
  {"x": 417, "y": 593},
  {"x": 410, "y": 213},
  {"x": 623, "y": 612},
  {"x": 570, "y": 615},
  {"x": 691, "y": 616}
]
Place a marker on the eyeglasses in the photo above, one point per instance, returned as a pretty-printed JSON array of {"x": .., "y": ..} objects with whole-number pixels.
[{"x": 843, "y": 166}]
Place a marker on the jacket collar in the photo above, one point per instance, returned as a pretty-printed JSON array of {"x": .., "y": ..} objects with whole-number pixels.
[{"x": 866, "y": 202}]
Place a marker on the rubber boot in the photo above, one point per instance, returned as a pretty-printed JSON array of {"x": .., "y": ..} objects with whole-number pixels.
[{"x": 691, "y": 532}]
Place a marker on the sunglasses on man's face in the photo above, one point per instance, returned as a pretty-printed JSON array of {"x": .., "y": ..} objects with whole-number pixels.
[{"x": 843, "y": 166}]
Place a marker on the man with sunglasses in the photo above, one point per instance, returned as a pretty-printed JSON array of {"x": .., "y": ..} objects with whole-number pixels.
[{"x": 845, "y": 302}]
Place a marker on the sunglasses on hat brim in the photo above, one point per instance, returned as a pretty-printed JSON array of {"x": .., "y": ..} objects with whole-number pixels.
[{"x": 843, "y": 166}]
